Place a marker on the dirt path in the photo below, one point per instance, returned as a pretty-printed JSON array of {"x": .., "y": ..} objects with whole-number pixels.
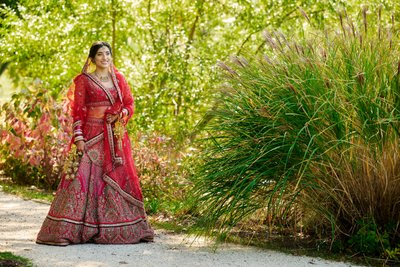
[{"x": 20, "y": 221}]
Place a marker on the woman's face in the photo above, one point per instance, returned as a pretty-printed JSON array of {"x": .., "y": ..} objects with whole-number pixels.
[{"x": 103, "y": 58}]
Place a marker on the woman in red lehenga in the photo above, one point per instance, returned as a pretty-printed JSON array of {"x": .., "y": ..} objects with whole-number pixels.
[{"x": 102, "y": 203}]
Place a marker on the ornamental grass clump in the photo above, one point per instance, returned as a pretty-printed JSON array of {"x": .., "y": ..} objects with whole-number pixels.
[{"x": 310, "y": 128}]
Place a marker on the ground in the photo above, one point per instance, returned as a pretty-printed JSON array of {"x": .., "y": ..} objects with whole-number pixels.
[{"x": 20, "y": 220}]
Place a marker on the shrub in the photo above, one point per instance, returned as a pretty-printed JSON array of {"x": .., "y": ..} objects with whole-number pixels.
[
  {"x": 311, "y": 127},
  {"x": 159, "y": 161},
  {"x": 35, "y": 132},
  {"x": 368, "y": 239}
]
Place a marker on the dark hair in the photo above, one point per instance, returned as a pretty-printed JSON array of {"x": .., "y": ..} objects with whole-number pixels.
[{"x": 96, "y": 46}]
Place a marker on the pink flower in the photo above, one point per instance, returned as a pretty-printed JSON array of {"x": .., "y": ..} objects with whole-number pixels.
[
  {"x": 5, "y": 137},
  {"x": 35, "y": 161},
  {"x": 14, "y": 141},
  {"x": 19, "y": 153},
  {"x": 18, "y": 127}
]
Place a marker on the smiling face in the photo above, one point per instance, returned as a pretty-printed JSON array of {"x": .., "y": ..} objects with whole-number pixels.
[{"x": 102, "y": 58}]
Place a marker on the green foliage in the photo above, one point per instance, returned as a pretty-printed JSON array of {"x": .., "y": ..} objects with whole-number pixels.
[
  {"x": 393, "y": 254},
  {"x": 159, "y": 164},
  {"x": 27, "y": 192},
  {"x": 19, "y": 171},
  {"x": 167, "y": 49},
  {"x": 42, "y": 39},
  {"x": 9, "y": 259},
  {"x": 311, "y": 127},
  {"x": 368, "y": 239},
  {"x": 35, "y": 134}
]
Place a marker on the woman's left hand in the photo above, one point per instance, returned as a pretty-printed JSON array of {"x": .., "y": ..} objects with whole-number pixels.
[{"x": 110, "y": 118}]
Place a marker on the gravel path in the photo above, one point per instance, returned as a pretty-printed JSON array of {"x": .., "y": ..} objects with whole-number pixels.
[{"x": 20, "y": 221}]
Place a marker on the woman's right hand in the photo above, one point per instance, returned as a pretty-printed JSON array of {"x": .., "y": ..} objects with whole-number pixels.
[{"x": 80, "y": 145}]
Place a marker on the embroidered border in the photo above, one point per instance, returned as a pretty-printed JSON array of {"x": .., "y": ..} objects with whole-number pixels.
[
  {"x": 115, "y": 80},
  {"x": 98, "y": 104},
  {"x": 91, "y": 120},
  {"x": 101, "y": 86},
  {"x": 112, "y": 145},
  {"x": 38, "y": 241},
  {"x": 94, "y": 225},
  {"x": 94, "y": 140},
  {"x": 124, "y": 194}
]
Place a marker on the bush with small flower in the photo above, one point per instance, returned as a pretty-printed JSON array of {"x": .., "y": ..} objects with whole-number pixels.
[
  {"x": 159, "y": 160},
  {"x": 35, "y": 131}
]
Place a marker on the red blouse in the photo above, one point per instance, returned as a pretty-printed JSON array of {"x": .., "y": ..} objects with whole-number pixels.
[{"x": 89, "y": 91}]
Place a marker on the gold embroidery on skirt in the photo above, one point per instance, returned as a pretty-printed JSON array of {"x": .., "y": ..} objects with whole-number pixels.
[{"x": 96, "y": 157}]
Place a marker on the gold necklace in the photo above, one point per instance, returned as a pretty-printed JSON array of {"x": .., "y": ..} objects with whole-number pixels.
[{"x": 103, "y": 78}]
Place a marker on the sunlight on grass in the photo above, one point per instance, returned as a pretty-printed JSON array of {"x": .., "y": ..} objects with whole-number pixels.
[{"x": 27, "y": 192}]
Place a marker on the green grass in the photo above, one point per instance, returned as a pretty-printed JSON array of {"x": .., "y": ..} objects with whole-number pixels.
[
  {"x": 27, "y": 192},
  {"x": 7, "y": 259}
]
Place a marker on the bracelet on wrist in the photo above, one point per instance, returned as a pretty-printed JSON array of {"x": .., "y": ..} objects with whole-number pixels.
[
  {"x": 78, "y": 138},
  {"x": 123, "y": 113}
]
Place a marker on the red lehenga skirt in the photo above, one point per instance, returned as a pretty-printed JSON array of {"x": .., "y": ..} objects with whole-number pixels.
[{"x": 92, "y": 208}]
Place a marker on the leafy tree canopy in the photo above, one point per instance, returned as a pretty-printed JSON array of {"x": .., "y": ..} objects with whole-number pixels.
[{"x": 167, "y": 49}]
